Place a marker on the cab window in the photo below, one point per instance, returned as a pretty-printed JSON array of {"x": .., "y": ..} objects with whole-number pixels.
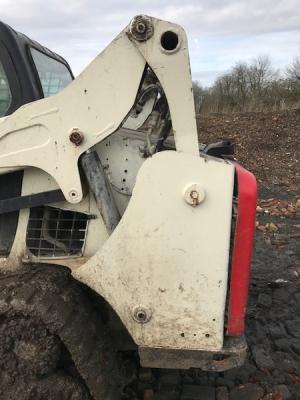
[
  {"x": 54, "y": 76},
  {"x": 5, "y": 93}
]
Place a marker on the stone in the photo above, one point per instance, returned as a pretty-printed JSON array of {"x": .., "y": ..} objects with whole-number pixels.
[
  {"x": 293, "y": 327},
  {"x": 285, "y": 361},
  {"x": 262, "y": 376},
  {"x": 260, "y": 334},
  {"x": 295, "y": 272},
  {"x": 296, "y": 347},
  {"x": 264, "y": 300},
  {"x": 297, "y": 295},
  {"x": 262, "y": 357},
  {"x": 279, "y": 239},
  {"x": 281, "y": 295},
  {"x": 243, "y": 376},
  {"x": 295, "y": 391},
  {"x": 194, "y": 392},
  {"x": 277, "y": 331},
  {"x": 281, "y": 392},
  {"x": 224, "y": 382},
  {"x": 250, "y": 391},
  {"x": 231, "y": 374},
  {"x": 273, "y": 227},
  {"x": 222, "y": 393},
  {"x": 279, "y": 376},
  {"x": 283, "y": 345}
]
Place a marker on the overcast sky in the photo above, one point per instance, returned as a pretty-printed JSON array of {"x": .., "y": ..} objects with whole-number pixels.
[{"x": 220, "y": 32}]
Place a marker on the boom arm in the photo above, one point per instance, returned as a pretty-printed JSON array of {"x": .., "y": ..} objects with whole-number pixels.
[{"x": 40, "y": 134}]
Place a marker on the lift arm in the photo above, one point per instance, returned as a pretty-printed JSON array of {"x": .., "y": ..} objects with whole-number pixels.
[{"x": 51, "y": 134}]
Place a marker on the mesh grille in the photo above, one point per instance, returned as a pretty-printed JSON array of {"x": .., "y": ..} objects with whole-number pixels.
[{"x": 53, "y": 232}]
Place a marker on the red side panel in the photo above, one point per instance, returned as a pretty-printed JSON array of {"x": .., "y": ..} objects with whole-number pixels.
[{"x": 242, "y": 251}]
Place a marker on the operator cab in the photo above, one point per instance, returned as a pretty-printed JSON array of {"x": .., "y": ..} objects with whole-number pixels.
[{"x": 28, "y": 72}]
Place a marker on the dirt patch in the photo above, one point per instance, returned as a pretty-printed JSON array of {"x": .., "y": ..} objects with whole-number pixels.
[{"x": 267, "y": 144}]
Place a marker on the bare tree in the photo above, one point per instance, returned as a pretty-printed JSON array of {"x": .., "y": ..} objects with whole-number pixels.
[
  {"x": 293, "y": 70},
  {"x": 240, "y": 83},
  {"x": 199, "y": 95},
  {"x": 260, "y": 73}
]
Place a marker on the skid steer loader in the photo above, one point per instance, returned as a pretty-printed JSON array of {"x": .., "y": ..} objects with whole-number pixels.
[{"x": 119, "y": 232}]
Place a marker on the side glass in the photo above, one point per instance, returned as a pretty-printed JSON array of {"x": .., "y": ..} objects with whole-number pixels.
[
  {"x": 5, "y": 93},
  {"x": 54, "y": 75}
]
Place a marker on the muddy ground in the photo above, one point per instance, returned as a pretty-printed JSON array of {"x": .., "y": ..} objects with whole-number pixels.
[{"x": 269, "y": 145}]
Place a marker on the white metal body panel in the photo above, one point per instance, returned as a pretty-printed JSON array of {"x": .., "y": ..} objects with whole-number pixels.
[{"x": 168, "y": 257}]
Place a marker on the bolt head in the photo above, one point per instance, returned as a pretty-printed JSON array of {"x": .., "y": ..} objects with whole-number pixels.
[
  {"x": 141, "y": 28},
  {"x": 73, "y": 196},
  {"x": 76, "y": 136},
  {"x": 141, "y": 314},
  {"x": 194, "y": 194}
]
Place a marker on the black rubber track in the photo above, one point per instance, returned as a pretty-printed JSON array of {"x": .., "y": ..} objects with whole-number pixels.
[{"x": 49, "y": 294}]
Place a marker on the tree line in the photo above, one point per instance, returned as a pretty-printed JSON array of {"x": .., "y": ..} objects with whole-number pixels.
[{"x": 253, "y": 86}]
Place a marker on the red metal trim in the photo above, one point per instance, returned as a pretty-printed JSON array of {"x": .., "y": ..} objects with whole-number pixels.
[{"x": 242, "y": 251}]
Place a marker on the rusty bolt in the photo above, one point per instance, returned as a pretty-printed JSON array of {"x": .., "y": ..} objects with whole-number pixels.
[
  {"x": 194, "y": 194},
  {"x": 141, "y": 28},
  {"x": 195, "y": 197},
  {"x": 76, "y": 136}
]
